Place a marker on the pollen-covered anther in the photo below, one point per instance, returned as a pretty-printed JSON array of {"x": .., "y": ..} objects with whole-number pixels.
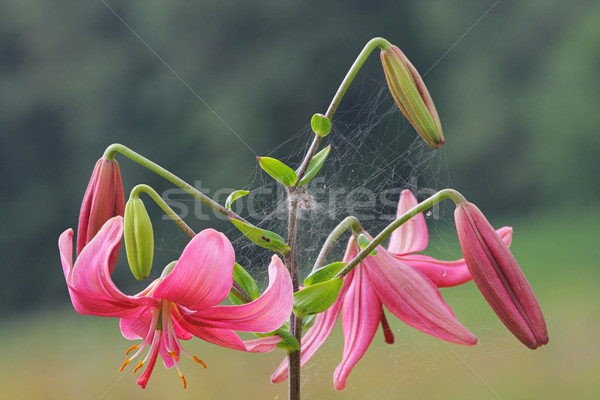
[
  {"x": 199, "y": 361},
  {"x": 183, "y": 380},
  {"x": 124, "y": 364},
  {"x": 132, "y": 348},
  {"x": 140, "y": 365},
  {"x": 173, "y": 354}
]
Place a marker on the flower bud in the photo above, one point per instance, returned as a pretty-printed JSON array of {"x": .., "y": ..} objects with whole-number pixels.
[
  {"x": 139, "y": 238},
  {"x": 499, "y": 278},
  {"x": 103, "y": 200},
  {"x": 411, "y": 95}
]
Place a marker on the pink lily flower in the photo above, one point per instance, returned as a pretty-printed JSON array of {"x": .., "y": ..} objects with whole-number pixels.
[
  {"x": 405, "y": 283},
  {"x": 499, "y": 277},
  {"x": 103, "y": 199},
  {"x": 412, "y": 237},
  {"x": 180, "y": 304}
]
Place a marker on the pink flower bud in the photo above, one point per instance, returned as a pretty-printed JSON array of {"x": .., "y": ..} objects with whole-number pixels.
[
  {"x": 499, "y": 277},
  {"x": 411, "y": 95},
  {"x": 103, "y": 200}
]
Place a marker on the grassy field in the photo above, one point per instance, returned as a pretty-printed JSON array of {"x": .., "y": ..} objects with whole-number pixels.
[{"x": 57, "y": 354}]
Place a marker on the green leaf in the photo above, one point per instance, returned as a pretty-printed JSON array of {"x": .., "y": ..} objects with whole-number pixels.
[
  {"x": 262, "y": 237},
  {"x": 278, "y": 170},
  {"x": 324, "y": 274},
  {"x": 288, "y": 341},
  {"x": 234, "y": 196},
  {"x": 316, "y": 298},
  {"x": 308, "y": 322},
  {"x": 363, "y": 241},
  {"x": 320, "y": 124},
  {"x": 246, "y": 283},
  {"x": 315, "y": 165}
]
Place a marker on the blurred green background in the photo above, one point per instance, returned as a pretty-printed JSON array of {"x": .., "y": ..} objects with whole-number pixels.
[{"x": 517, "y": 88}]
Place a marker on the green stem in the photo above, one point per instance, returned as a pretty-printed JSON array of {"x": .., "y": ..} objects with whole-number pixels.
[
  {"x": 348, "y": 222},
  {"x": 337, "y": 98},
  {"x": 419, "y": 208},
  {"x": 112, "y": 150},
  {"x": 135, "y": 193},
  {"x": 358, "y": 63}
]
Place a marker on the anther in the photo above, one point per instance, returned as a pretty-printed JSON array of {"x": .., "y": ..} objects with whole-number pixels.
[
  {"x": 199, "y": 361},
  {"x": 173, "y": 354},
  {"x": 183, "y": 380},
  {"x": 140, "y": 365},
  {"x": 124, "y": 364},
  {"x": 129, "y": 350}
]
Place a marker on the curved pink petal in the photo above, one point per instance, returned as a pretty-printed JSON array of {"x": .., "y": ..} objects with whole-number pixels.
[
  {"x": 441, "y": 273},
  {"x": 316, "y": 335},
  {"x": 264, "y": 314},
  {"x": 91, "y": 289},
  {"x": 361, "y": 314},
  {"x": 220, "y": 337},
  {"x": 203, "y": 274},
  {"x": 413, "y": 298},
  {"x": 136, "y": 328},
  {"x": 446, "y": 273},
  {"x": 411, "y": 236},
  {"x": 262, "y": 345}
]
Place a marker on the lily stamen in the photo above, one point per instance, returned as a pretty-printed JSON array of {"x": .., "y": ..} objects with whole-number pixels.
[{"x": 140, "y": 365}]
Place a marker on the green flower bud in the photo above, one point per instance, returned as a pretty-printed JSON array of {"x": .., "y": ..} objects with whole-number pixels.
[
  {"x": 411, "y": 95},
  {"x": 139, "y": 238},
  {"x": 320, "y": 124}
]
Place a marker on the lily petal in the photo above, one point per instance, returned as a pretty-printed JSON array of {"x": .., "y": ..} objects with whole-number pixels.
[
  {"x": 414, "y": 299},
  {"x": 447, "y": 273},
  {"x": 262, "y": 345},
  {"x": 91, "y": 289},
  {"x": 264, "y": 314},
  {"x": 411, "y": 236},
  {"x": 220, "y": 337},
  {"x": 361, "y": 314},
  {"x": 203, "y": 274}
]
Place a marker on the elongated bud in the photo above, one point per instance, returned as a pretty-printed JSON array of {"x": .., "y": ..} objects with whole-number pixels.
[
  {"x": 103, "y": 200},
  {"x": 139, "y": 238},
  {"x": 411, "y": 95},
  {"x": 499, "y": 277}
]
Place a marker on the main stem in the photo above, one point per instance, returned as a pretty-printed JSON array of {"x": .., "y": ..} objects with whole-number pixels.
[{"x": 291, "y": 261}]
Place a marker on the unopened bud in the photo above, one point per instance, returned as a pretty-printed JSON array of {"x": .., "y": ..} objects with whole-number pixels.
[
  {"x": 499, "y": 278},
  {"x": 320, "y": 124},
  {"x": 411, "y": 95},
  {"x": 139, "y": 238},
  {"x": 103, "y": 200}
]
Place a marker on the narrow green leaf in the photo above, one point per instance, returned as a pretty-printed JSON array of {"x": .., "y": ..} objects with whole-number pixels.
[
  {"x": 278, "y": 170},
  {"x": 234, "y": 196},
  {"x": 288, "y": 341},
  {"x": 363, "y": 241},
  {"x": 315, "y": 165},
  {"x": 316, "y": 298},
  {"x": 246, "y": 282},
  {"x": 262, "y": 237},
  {"x": 324, "y": 274},
  {"x": 308, "y": 322}
]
